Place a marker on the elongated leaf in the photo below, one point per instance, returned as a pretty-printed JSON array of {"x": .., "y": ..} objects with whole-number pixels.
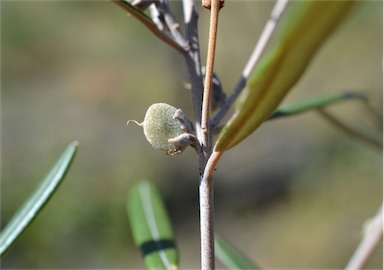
[
  {"x": 230, "y": 256},
  {"x": 151, "y": 228},
  {"x": 314, "y": 103},
  {"x": 35, "y": 203},
  {"x": 307, "y": 28}
]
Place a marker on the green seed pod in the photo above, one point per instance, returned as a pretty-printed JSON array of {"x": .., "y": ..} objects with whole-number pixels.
[{"x": 160, "y": 126}]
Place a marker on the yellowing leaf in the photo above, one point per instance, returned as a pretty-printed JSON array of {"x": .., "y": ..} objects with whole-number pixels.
[{"x": 308, "y": 26}]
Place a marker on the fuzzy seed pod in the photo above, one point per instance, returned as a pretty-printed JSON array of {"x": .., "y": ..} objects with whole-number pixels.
[{"x": 160, "y": 126}]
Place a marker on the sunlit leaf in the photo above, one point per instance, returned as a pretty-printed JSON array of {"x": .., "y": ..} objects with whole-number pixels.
[
  {"x": 151, "y": 228},
  {"x": 35, "y": 203},
  {"x": 230, "y": 256},
  {"x": 308, "y": 26}
]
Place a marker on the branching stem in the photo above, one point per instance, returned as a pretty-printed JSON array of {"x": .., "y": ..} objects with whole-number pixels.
[{"x": 206, "y": 183}]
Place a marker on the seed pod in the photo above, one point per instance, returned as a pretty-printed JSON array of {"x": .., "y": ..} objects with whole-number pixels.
[{"x": 160, "y": 126}]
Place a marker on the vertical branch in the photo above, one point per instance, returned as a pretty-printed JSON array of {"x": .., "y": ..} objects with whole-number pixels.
[
  {"x": 201, "y": 100},
  {"x": 214, "y": 18},
  {"x": 192, "y": 58}
]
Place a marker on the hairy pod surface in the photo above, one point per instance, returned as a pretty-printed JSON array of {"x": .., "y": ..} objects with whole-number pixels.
[{"x": 160, "y": 126}]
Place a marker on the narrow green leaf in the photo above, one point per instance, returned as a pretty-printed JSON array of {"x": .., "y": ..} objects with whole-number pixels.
[
  {"x": 308, "y": 26},
  {"x": 151, "y": 228},
  {"x": 230, "y": 256},
  {"x": 35, "y": 203},
  {"x": 314, "y": 103}
]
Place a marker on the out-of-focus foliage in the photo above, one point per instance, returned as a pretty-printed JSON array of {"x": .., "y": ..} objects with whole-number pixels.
[
  {"x": 296, "y": 194},
  {"x": 151, "y": 228},
  {"x": 37, "y": 200},
  {"x": 230, "y": 256}
]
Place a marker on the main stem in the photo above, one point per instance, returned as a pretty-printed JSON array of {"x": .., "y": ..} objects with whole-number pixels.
[
  {"x": 206, "y": 224},
  {"x": 207, "y": 213},
  {"x": 206, "y": 183}
]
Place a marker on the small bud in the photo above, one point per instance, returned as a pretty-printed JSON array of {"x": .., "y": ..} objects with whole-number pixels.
[{"x": 207, "y": 3}]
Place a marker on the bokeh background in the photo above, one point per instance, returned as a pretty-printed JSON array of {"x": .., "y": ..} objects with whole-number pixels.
[{"x": 293, "y": 195}]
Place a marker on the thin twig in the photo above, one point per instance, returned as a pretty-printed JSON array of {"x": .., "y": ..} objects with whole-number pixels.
[
  {"x": 150, "y": 25},
  {"x": 351, "y": 132},
  {"x": 214, "y": 19},
  {"x": 262, "y": 43},
  {"x": 370, "y": 241}
]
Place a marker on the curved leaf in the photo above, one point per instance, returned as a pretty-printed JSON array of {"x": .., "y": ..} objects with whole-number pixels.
[
  {"x": 32, "y": 207},
  {"x": 151, "y": 228},
  {"x": 306, "y": 29},
  {"x": 230, "y": 256}
]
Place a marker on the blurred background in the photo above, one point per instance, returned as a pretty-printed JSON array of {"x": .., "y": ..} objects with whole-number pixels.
[{"x": 294, "y": 195}]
